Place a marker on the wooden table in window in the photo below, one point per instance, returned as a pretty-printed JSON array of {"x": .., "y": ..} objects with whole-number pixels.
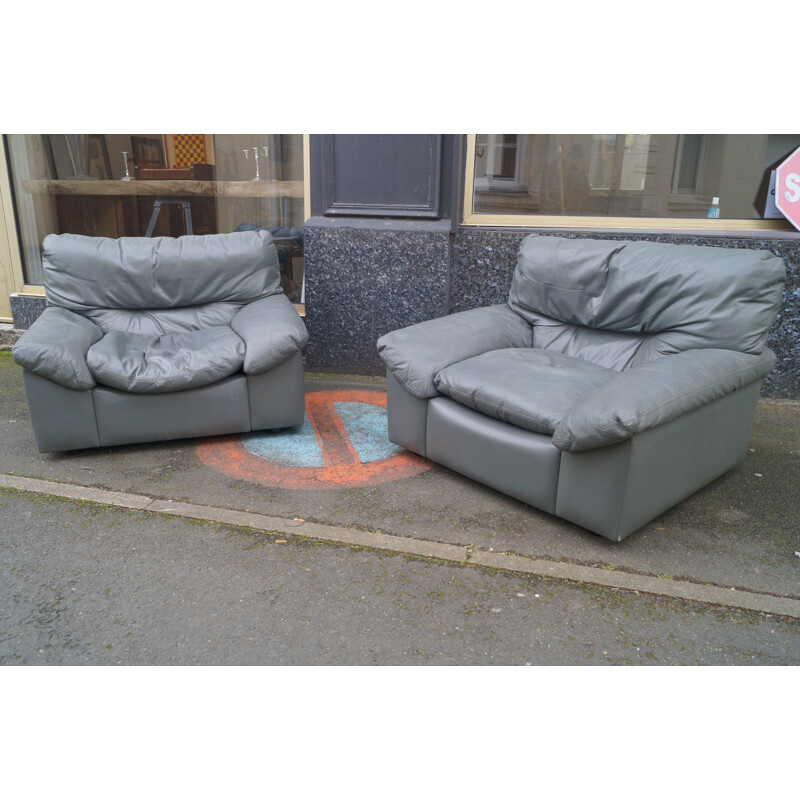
[{"x": 122, "y": 219}]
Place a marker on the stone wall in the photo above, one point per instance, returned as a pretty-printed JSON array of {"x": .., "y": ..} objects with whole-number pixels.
[
  {"x": 366, "y": 279},
  {"x": 26, "y": 310}
]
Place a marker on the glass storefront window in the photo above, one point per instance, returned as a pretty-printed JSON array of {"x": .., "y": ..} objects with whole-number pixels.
[
  {"x": 675, "y": 176},
  {"x": 161, "y": 185}
]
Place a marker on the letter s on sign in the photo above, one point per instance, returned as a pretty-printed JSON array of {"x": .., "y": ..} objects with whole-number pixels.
[{"x": 793, "y": 184}]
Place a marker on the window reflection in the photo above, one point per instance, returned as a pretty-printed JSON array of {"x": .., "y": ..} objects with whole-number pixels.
[
  {"x": 161, "y": 185},
  {"x": 626, "y": 175}
]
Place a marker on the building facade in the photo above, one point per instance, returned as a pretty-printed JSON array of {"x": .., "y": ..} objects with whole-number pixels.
[{"x": 376, "y": 232}]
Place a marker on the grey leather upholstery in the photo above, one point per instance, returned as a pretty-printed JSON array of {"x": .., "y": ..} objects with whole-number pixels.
[
  {"x": 678, "y": 297},
  {"x": 619, "y": 378},
  {"x": 532, "y": 389},
  {"x": 139, "y": 362},
  {"x": 84, "y": 272},
  {"x": 657, "y": 392},
  {"x": 150, "y": 339},
  {"x": 271, "y": 330},
  {"x": 416, "y": 354},
  {"x": 56, "y": 346}
]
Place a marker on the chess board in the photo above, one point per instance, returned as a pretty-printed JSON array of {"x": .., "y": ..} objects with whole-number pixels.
[{"x": 190, "y": 148}]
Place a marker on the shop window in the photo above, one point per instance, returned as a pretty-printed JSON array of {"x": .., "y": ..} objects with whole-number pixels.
[
  {"x": 624, "y": 179},
  {"x": 160, "y": 185}
]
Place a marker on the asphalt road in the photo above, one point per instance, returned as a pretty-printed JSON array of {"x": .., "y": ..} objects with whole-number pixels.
[{"x": 84, "y": 584}]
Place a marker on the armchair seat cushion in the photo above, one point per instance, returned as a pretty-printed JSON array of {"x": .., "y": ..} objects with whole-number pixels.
[
  {"x": 530, "y": 388},
  {"x": 140, "y": 362}
]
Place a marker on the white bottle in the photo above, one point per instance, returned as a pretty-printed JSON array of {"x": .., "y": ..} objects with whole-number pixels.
[{"x": 713, "y": 211}]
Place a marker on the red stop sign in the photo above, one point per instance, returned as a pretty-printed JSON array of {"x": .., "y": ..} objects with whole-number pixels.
[{"x": 787, "y": 188}]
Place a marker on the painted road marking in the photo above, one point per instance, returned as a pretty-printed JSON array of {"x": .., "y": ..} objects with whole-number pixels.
[
  {"x": 366, "y": 426},
  {"x": 295, "y": 447},
  {"x": 343, "y": 442}
]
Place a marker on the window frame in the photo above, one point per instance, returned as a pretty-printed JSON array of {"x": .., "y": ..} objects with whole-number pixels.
[
  {"x": 713, "y": 226},
  {"x": 505, "y": 185}
]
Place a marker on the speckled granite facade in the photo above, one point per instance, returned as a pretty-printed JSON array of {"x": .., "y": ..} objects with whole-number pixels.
[
  {"x": 26, "y": 310},
  {"x": 484, "y": 260},
  {"x": 364, "y": 279}
]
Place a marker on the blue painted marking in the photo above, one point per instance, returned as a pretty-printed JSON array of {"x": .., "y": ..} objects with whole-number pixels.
[
  {"x": 368, "y": 430},
  {"x": 295, "y": 447}
]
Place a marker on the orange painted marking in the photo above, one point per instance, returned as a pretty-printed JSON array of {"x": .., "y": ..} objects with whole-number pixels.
[
  {"x": 342, "y": 466},
  {"x": 331, "y": 436}
]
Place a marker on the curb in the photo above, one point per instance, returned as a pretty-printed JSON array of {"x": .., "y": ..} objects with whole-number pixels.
[
  {"x": 459, "y": 554},
  {"x": 9, "y": 337}
]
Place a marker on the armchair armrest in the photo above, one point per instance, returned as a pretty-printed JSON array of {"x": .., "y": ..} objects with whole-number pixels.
[
  {"x": 414, "y": 355},
  {"x": 55, "y": 347},
  {"x": 655, "y": 393},
  {"x": 271, "y": 330}
]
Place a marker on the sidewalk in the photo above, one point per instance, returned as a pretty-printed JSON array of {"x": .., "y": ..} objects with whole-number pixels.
[{"x": 734, "y": 543}]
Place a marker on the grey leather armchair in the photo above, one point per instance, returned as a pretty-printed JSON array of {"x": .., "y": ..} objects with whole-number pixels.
[
  {"x": 152, "y": 339},
  {"x": 619, "y": 378}
]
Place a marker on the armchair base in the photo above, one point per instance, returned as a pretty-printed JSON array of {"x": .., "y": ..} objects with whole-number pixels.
[
  {"x": 66, "y": 419},
  {"x": 615, "y": 490},
  {"x": 519, "y": 463},
  {"x": 612, "y": 491}
]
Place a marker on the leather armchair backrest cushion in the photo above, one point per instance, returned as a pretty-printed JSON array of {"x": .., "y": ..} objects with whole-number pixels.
[
  {"x": 686, "y": 296},
  {"x": 610, "y": 349},
  {"x": 160, "y": 321},
  {"x": 85, "y": 272}
]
